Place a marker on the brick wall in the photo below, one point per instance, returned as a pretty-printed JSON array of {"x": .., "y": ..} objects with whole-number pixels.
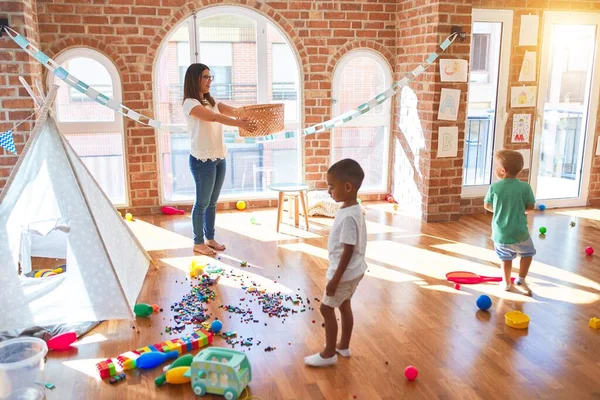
[
  {"x": 423, "y": 183},
  {"x": 129, "y": 32},
  {"x": 475, "y": 205},
  {"x": 15, "y": 103}
]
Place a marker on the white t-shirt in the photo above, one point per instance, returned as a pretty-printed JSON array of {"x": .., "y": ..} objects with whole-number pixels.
[
  {"x": 207, "y": 142},
  {"x": 348, "y": 228}
]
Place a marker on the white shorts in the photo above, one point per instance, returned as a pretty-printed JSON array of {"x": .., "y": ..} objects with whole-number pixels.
[{"x": 345, "y": 291}]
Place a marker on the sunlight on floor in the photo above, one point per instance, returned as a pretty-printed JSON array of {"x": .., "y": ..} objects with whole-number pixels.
[
  {"x": 241, "y": 274},
  {"x": 537, "y": 268},
  {"x": 86, "y": 366},
  {"x": 373, "y": 270},
  {"x": 95, "y": 338},
  {"x": 390, "y": 209},
  {"x": 183, "y": 263},
  {"x": 265, "y": 226},
  {"x": 154, "y": 238},
  {"x": 593, "y": 214},
  {"x": 308, "y": 249},
  {"x": 372, "y": 227},
  {"x": 245, "y": 276},
  {"x": 435, "y": 265},
  {"x": 447, "y": 289}
]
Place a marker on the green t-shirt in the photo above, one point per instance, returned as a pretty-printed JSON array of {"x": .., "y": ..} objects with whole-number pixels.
[{"x": 509, "y": 199}]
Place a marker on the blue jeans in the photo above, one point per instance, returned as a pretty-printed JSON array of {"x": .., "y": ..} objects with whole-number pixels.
[{"x": 209, "y": 177}]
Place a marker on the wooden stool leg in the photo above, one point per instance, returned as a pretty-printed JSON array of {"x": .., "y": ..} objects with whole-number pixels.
[
  {"x": 289, "y": 199},
  {"x": 304, "y": 208},
  {"x": 296, "y": 212},
  {"x": 280, "y": 209}
]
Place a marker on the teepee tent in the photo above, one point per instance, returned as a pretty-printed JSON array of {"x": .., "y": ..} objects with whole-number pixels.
[{"x": 53, "y": 207}]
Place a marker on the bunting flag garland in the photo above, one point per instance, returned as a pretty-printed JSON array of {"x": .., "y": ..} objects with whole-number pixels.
[
  {"x": 7, "y": 141},
  {"x": 93, "y": 94}
]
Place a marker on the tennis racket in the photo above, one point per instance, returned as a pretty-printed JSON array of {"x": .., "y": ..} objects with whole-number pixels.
[{"x": 471, "y": 278}]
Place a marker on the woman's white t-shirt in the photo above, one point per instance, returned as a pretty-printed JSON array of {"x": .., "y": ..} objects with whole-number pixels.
[{"x": 207, "y": 142}]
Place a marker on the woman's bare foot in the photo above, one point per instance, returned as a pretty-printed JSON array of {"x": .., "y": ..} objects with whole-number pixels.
[
  {"x": 213, "y": 244},
  {"x": 204, "y": 249}
]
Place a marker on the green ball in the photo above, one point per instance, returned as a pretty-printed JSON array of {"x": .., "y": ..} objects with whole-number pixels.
[{"x": 543, "y": 230}]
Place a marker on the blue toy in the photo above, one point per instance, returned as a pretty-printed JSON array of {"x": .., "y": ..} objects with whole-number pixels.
[
  {"x": 154, "y": 359},
  {"x": 484, "y": 302},
  {"x": 542, "y": 207},
  {"x": 216, "y": 326},
  {"x": 217, "y": 370}
]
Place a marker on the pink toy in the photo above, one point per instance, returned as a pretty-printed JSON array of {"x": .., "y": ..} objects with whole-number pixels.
[
  {"x": 154, "y": 359},
  {"x": 411, "y": 373},
  {"x": 457, "y": 286},
  {"x": 171, "y": 211},
  {"x": 62, "y": 341},
  {"x": 589, "y": 250},
  {"x": 471, "y": 278}
]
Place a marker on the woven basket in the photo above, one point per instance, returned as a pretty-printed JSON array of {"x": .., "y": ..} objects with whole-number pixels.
[{"x": 267, "y": 117}]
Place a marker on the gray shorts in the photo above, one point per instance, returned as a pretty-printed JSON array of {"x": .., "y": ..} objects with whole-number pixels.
[{"x": 508, "y": 252}]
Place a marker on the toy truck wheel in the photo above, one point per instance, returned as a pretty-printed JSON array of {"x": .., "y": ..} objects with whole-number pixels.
[
  {"x": 200, "y": 389},
  {"x": 230, "y": 394}
]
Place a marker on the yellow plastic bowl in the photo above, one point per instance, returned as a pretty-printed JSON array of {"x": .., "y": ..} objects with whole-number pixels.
[{"x": 517, "y": 320}]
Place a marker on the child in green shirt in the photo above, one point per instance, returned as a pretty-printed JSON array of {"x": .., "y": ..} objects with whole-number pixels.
[{"x": 508, "y": 199}]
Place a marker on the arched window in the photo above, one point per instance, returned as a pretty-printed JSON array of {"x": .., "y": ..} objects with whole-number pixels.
[
  {"x": 93, "y": 130},
  {"x": 253, "y": 63},
  {"x": 360, "y": 76}
]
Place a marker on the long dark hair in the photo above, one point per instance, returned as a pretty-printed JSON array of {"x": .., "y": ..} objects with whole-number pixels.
[{"x": 191, "y": 87}]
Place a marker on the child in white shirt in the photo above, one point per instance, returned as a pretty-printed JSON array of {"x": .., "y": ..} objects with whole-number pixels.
[{"x": 346, "y": 246}]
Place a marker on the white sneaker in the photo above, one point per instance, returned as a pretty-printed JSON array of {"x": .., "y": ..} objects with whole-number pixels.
[
  {"x": 317, "y": 361},
  {"x": 344, "y": 353},
  {"x": 523, "y": 287}
]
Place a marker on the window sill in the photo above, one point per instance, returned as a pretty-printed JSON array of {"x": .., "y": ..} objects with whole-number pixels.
[{"x": 474, "y": 191}]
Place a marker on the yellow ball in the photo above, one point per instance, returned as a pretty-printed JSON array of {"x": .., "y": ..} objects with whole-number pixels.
[
  {"x": 129, "y": 217},
  {"x": 241, "y": 205}
]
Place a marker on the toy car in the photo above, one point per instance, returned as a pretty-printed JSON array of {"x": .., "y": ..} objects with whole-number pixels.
[{"x": 218, "y": 370}]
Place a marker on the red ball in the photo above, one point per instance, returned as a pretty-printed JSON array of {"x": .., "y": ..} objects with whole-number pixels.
[
  {"x": 387, "y": 196},
  {"x": 390, "y": 199},
  {"x": 456, "y": 286},
  {"x": 589, "y": 250},
  {"x": 411, "y": 373}
]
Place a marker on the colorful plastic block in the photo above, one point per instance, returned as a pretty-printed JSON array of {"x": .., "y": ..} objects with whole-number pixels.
[{"x": 595, "y": 323}]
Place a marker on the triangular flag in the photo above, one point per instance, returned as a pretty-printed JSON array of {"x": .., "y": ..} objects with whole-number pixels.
[{"x": 7, "y": 141}]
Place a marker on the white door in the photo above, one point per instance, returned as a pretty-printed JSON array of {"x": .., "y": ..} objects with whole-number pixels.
[
  {"x": 567, "y": 106},
  {"x": 486, "y": 109}
]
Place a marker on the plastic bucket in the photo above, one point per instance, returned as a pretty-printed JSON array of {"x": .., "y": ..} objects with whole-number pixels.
[{"x": 22, "y": 368}]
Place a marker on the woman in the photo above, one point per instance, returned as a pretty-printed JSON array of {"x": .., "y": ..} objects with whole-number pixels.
[{"x": 205, "y": 119}]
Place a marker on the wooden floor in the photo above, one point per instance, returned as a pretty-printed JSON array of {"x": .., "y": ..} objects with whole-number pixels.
[{"x": 405, "y": 312}]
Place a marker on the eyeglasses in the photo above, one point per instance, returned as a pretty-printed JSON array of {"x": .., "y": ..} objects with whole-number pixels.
[{"x": 208, "y": 77}]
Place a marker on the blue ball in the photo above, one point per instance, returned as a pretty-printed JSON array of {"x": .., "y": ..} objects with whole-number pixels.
[
  {"x": 542, "y": 207},
  {"x": 484, "y": 302},
  {"x": 216, "y": 325}
]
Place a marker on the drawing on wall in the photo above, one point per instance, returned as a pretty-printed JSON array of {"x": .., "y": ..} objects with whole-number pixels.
[
  {"x": 447, "y": 141},
  {"x": 529, "y": 30},
  {"x": 521, "y": 128},
  {"x": 529, "y": 67},
  {"x": 449, "y": 102},
  {"x": 453, "y": 70},
  {"x": 522, "y": 96}
]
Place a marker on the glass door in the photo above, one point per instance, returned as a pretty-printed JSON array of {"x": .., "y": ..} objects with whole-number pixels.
[
  {"x": 488, "y": 86},
  {"x": 567, "y": 108}
]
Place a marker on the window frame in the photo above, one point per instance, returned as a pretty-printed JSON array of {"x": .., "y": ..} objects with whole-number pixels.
[
  {"x": 262, "y": 86},
  {"x": 506, "y": 18},
  {"x": 91, "y": 127},
  {"x": 367, "y": 120}
]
